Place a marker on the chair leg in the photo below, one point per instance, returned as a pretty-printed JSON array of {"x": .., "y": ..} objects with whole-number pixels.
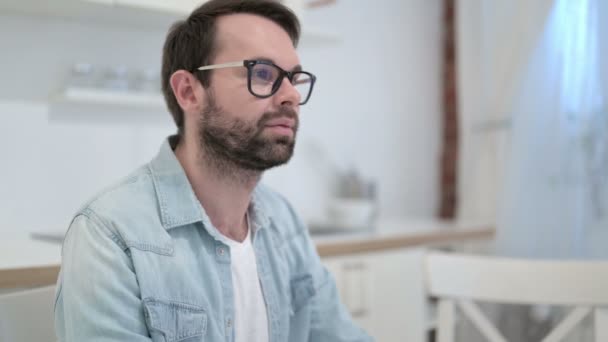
[
  {"x": 445, "y": 321},
  {"x": 566, "y": 325},
  {"x": 486, "y": 328},
  {"x": 601, "y": 324}
]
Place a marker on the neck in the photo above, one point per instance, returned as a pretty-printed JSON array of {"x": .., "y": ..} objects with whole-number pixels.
[{"x": 223, "y": 189}]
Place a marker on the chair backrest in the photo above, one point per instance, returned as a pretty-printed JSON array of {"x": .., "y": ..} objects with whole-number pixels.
[
  {"x": 459, "y": 280},
  {"x": 28, "y": 315}
]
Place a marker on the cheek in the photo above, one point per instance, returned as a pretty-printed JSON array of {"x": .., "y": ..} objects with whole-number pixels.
[
  {"x": 248, "y": 107},
  {"x": 234, "y": 97}
]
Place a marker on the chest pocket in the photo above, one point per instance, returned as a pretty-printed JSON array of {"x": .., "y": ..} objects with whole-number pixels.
[
  {"x": 302, "y": 290},
  {"x": 174, "y": 322}
]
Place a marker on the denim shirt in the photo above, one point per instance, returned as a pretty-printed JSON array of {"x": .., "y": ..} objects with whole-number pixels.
[{"x": 143, "y": 262}]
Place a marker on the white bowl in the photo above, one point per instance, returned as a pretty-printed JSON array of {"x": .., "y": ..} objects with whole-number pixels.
[{"x": 351, "y": 213}]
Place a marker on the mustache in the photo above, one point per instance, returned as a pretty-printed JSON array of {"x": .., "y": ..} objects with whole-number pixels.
[{"x": 287, "y": 113}]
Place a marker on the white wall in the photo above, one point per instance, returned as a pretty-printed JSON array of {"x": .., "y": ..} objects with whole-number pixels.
[{"x": 376, "y": 106}]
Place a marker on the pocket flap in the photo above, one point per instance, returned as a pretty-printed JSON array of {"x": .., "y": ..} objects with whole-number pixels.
[{"x": 176, "y": 321}]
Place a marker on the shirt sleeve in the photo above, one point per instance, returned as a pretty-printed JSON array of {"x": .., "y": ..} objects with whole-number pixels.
[{"x": 98, "y": 296}]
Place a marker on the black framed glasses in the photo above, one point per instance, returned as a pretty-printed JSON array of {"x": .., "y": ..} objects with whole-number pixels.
[{"x": 264, "y": 78}]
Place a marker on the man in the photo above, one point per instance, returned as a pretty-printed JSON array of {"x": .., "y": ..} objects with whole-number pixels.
[{"x": 190, "y": 247}]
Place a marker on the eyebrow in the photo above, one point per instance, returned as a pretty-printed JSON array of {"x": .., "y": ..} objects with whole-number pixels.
[{"x": 266, "y": 59}]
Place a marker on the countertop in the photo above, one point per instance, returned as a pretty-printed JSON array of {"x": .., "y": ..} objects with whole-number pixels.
[{"x": 27, "y": 262}]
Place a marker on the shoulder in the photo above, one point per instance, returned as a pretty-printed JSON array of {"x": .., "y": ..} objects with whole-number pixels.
[
  {"x": 122, "y": 195},
  {"x": 126, "y": 210}
]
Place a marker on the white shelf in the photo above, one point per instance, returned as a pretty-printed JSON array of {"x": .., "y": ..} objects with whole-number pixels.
[{"x": 109, "y": 97}]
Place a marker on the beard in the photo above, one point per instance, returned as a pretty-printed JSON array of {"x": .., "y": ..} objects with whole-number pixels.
[{"x": 233, "y": 144}]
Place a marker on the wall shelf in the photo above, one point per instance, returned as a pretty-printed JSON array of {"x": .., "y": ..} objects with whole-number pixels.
[{"x": 109, "y": 98}]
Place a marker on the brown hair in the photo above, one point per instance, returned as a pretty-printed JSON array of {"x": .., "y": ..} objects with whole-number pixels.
[{"x": 190, "y": 43}]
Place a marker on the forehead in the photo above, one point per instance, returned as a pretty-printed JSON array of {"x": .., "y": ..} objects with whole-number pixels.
[{"x": 243, "y": 36}]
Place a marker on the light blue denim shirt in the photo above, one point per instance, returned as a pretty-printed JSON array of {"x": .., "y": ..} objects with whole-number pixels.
[{"x": 142, "y": 262}]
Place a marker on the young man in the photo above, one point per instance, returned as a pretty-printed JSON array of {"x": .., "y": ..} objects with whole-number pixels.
[{"x": 190, "y": 247}]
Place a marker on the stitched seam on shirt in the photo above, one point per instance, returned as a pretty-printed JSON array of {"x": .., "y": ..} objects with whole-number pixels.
[
  {"x": 181, "y": 307},
  {"x": 91, "y": 215},
  {"x": 159, "y": 195},
  {"x": 146, "y": 247},
  {"x": 133, "y": 178},
  {"x": 315, "y": 319},
  {"x": 168, "y": 219},
  {"x": 125, "y": 244},
  {"x": 59, "y": 293}
]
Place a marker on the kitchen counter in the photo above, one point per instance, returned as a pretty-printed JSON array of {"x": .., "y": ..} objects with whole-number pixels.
[
  {"x": 399, "y": 233},
  {"x": 28, "y": 262}
]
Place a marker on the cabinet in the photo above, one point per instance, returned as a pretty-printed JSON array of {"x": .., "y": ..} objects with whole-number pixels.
[
  {"x": 384, "y": 292},
  {"x": 153, "y": 14}
]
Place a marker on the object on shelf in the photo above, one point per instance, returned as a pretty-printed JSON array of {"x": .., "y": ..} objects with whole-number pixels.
[
  {"x": 116, "y": 78},
  {"x": 354, "y": 203},
  {"x": 111, "y": 85},
  {"x": 82, "y": 76},
  {"x": 109, "y": 97},
  {"x": 146, "y": 81},
  {"x": 351, "y": 213}
]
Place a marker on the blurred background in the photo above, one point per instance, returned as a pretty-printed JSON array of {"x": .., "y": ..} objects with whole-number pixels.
[{"x": 488, "y": 117}]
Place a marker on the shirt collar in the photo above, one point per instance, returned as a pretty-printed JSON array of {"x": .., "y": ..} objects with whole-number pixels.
[{"x": 176, "y": 200}]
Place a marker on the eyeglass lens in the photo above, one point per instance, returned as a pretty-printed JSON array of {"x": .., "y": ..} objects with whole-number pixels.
[{"x": 264, "y": 78}]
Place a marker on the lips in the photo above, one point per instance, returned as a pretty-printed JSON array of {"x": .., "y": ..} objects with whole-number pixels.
[{"x": 281, "y": 122}]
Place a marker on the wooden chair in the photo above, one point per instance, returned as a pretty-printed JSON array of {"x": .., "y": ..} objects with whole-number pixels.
[
  {"x": 27, "y": 316},
  {"x": 459, "y": 280}
]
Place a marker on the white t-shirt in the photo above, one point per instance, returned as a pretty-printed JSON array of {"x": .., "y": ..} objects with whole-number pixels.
[{"x": 250, "y": 321}]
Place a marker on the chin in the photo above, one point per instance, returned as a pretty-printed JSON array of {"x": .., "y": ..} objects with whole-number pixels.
[{"x": 277, "y": 157}]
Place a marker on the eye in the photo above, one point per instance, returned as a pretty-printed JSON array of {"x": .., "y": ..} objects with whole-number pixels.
[
  {"x": 263, "y": 74},
  {"x": 300, "y": 78}
]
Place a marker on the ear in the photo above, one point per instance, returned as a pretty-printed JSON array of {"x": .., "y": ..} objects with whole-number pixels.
[{"x": 188, "y": 91}]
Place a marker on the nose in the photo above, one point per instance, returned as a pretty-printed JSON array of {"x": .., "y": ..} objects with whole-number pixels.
[{"x": 287, "y": 95}]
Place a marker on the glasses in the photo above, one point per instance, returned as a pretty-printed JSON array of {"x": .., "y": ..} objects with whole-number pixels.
[{"x": 264, "y": 78}]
